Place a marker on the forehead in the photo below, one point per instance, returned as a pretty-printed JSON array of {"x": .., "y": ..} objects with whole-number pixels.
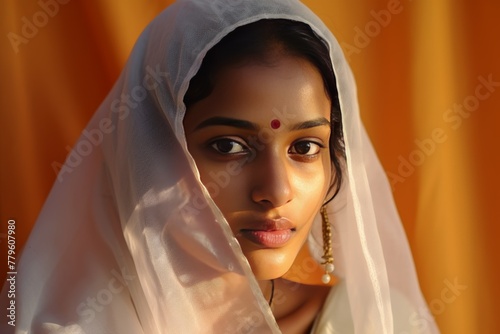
[{"x": 257, "y": 91}]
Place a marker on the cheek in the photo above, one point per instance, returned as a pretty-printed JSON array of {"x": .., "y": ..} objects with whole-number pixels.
[
  {"x": 226, "y": 186},
  {"x": 313, "y": 180},
  {"x": 311, "y": 191}
]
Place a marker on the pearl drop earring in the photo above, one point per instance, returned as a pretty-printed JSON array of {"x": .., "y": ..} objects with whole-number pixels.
[{"x": 327, "y": 247}]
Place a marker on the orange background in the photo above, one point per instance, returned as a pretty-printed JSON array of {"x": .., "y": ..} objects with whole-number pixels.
[{"x": 412, "y": 66}]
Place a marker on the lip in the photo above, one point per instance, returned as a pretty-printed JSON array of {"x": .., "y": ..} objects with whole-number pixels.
[{"x": 269, "y": 233}]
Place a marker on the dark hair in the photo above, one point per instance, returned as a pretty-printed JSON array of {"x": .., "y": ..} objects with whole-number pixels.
[{"x": 260, "y": 42}]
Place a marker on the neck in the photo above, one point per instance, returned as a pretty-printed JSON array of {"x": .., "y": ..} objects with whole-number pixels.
[{"x": 295, "y": 305}]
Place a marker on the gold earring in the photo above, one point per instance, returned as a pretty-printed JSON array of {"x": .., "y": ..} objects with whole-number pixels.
[{"x": 327, "y": 247}]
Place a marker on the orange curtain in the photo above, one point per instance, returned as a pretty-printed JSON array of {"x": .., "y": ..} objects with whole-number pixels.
[{"x": 429, "y": 87}]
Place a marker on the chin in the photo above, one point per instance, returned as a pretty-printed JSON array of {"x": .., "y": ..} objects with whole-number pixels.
[{"x": 269, "y": 264}]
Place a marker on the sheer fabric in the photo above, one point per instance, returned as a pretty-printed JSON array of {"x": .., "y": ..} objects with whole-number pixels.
[{"x": 129, "y": 240}]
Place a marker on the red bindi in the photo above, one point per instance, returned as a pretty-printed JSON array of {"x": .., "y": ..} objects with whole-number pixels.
[{"x": 275, "y": 123}]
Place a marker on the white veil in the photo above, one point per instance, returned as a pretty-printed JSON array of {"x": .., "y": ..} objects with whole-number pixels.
[{"x": 129, "y": 240}]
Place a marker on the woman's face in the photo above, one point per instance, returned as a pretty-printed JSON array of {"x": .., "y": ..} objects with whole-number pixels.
[{"x": 260, "y": 141}]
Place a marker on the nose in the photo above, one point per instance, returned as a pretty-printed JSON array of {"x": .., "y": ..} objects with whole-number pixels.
[{"x": 271, "y": 187}]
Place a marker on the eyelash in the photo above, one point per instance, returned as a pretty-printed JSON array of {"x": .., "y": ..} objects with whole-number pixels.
[
  {"x": 305, "y": 157},
  {"x": 245, "y": 149},
  {"x": 213, "y": 144}
]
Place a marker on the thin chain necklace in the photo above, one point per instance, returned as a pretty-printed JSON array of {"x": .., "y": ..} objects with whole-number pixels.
[{"x": 272, "y": 293}]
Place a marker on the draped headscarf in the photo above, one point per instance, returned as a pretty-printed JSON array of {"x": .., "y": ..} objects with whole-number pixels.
[{"x": 129, "y": 240}]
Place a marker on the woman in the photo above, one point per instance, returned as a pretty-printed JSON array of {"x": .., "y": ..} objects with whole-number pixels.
[
  {"x": 282, "y": 163},
  {"x": 214, "y": 186}
]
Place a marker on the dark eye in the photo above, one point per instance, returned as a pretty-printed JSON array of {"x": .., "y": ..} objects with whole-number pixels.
[
  {"x": 228, "y": 146},
  {"x": 305, "y": 148}
]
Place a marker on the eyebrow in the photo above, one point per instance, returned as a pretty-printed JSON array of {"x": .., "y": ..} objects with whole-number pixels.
[
  {"x": 225, "y": 121},
  {"x": 311, "y": 124}
]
